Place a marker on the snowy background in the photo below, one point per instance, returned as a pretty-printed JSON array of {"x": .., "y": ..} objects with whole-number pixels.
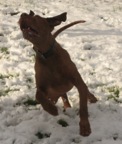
[{"x": 96, "y": 49}]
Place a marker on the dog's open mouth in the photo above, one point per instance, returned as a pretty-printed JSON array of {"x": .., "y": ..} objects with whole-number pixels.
[{"x": 29, "y": 30}]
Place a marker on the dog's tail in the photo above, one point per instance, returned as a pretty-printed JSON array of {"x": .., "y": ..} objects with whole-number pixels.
[{"x": 66, "y": 26}]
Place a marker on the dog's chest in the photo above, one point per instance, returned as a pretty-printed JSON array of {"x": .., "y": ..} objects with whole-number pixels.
[{"x": 51, "y": 74}]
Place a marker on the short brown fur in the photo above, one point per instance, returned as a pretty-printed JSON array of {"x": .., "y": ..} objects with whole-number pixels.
[{"x": 56, "y": 74}]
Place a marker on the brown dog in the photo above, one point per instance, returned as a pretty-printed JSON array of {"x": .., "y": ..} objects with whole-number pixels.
[{"x": 55, "y": 73}]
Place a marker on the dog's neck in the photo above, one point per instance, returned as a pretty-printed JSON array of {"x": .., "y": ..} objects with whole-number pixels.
[{"x": 47, "y": 53}]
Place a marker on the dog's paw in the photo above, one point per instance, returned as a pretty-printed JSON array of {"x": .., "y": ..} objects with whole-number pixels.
[
  {"x": 92, "y": 98},
  {"x": 53, "y": 110},
  {"x": 50, "y": 108},
  {"x": 85, "y": 129}
]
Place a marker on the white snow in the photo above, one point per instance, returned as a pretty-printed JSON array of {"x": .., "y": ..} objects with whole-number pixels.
[{"x": 96, "y": 49}]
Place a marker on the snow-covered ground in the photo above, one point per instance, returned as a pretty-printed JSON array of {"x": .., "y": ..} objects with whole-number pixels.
[{"x": 96, "y": 49}]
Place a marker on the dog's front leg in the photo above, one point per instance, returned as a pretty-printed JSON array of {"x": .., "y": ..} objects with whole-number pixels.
[
  {"x": 92, "y": 98},
  {"x": 85, "y": 129},
  {"x": 46, "y": 104}
]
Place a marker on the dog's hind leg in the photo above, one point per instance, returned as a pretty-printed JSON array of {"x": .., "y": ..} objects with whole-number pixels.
[{"x": 65, "y": 101}]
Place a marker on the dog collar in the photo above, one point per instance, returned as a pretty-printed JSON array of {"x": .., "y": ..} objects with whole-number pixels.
[{"x": 46, "y": 54}]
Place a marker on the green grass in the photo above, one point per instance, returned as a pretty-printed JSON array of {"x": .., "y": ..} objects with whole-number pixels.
[
  {"x": 3, "y": 76},
  {"x": 29, "y": 80},
  {"x": 62, "y": 122},
  {"x": 4, "y": 50},
  {"x": 82, "y": 59},
  {"x": 114, "y": 94},
  {"x": 41, "y": 135},
  {"x": 8, "y": 76},
  {"x": 5, "y": 91},
  {"x": 30, "y": 102},
  {"x": 117, "y": 8}
]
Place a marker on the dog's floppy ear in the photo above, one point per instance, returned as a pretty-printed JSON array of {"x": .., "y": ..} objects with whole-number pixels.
[{"x": 54, "y": 21}]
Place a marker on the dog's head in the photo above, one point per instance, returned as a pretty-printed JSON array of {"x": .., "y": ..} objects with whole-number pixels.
[{"x": 35, "y": 28}]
